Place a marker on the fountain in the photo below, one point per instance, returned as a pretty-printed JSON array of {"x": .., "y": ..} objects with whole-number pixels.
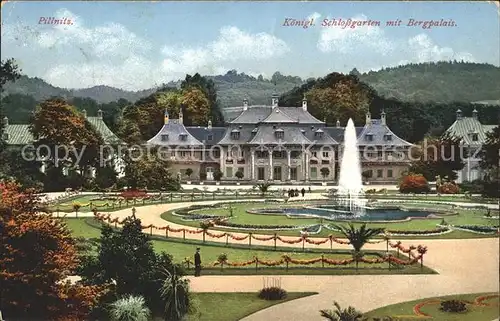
[{"x": 350, "y": 196}]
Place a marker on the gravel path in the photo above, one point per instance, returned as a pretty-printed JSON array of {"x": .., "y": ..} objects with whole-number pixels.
[{"x": 464, "y": 266}]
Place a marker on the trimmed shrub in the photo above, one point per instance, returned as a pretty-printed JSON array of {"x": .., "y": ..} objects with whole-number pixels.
[
  {"x": 448, "y": 188},
  {"x": 453, "y": 306},
  {"x": 414, "y": 183},
  {"x": 272, "y": 293}
]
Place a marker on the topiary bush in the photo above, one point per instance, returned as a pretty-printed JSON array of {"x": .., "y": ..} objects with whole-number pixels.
[
  {"x": 272, "y": 293},
  {"x": 453, "y": 306},
  {"x": 414, "y": 183},
  {"x": 448, "y": 188}
]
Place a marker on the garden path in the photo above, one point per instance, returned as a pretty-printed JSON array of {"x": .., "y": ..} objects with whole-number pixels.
[{"x": 464, "y": 266}]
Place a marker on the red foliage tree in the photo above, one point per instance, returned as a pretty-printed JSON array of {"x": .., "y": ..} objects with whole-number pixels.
[
  {"x": 37, "y": 254},
  {"x": 448, "y": 188},
  {"x": 414, "y": 183}
]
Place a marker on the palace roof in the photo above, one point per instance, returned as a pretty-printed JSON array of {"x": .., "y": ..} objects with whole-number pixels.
[
  {"x": 468, "y": 127},
  {"x": 174, "y": 133}
]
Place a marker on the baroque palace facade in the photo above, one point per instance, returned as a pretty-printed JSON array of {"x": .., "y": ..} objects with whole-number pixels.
[
  {"x": 264, "y": 143},
  {"x": 280, "y": 145}
]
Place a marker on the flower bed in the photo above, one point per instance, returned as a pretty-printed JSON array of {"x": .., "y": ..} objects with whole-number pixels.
[{"x": 479, "y": 229}]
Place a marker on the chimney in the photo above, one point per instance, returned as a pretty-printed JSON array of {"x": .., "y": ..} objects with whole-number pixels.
[
  {"x": 209, "y": 124},
  {"x": 181, "y": 115},
  {"x": 459, "y": 114},
  {"x": 337, "y": 124},
  {"x": 274, "y": 100},
  {"x": 474, "y": 113},
  {"x": 245, "y": 104},
  {"x": 368, "y": 118},
  {"x": 84, "y": 113},
  {"x": 6, "y": 121},
  {"x": 99, "y": 113},
  {"x": 304, "y": 103},
  {"x": 382, "y": 118}
]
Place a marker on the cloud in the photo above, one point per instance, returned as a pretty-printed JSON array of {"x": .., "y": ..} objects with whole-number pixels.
[
  {"x": 345, "y": 40},
  {"x": 423, "y": 49},
  {"x": 314, "y": 15},
  {"x": 232, "y": 45}
]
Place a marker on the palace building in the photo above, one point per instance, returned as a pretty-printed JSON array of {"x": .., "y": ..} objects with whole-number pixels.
[{"x": 279, "y": 144}]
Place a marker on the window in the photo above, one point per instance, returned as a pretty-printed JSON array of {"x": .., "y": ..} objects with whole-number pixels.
[
  {"x": 474, "y": 137},
  {"x": 183, "y": 153},
  {"x": 254, "y": 132},
  {"x": 369, "y": 173},
  {"x": 380, "y": 173},
  {"x": 261, "y": 154},
  {"x": 318, "y": 134},
  {"x": 235, "y": 135},
  {"x": 183, "y": 137},
  {"x": 229, "y": 172},
  {"x": 389, "y": 173},
  {"x": 369, "y": 137},
  {"x": 314, "y": 173},
  {"x": 388, "y": 137},
  {"x": 279, "y": 154},
  {"x": 164, "y": 137},
  {"x": 241, "y": 169},
  {"x": 314, "y": 154},
  {"x": 280, "y": 134},
  {"x": 261, "y": 173},
  {"x": 326, "y": 154},
  {"x": 210, "y": 137}
]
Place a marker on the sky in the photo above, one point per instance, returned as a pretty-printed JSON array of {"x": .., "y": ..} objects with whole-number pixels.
[{"x": 138, "y": 45}]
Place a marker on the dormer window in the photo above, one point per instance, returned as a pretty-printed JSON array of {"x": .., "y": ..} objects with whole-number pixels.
[
  {"x": 183, "y": 137},
  {"x": 279, "y": 133},
  {"x": 254, "y": 132},
  {"x": 210, "y": 137},
  {"x": 388, "y": 137},
  {"x": 369, "y": 137},
  {"x": 475, "y": 137},
  {"x": 235, "y": 134},
  {"x": 318, "y": 134},
  {"x": 303, "y": 132},
  {"x": 164, "y": 137}
]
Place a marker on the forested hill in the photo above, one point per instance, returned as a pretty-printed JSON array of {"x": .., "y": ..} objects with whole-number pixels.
[{"x": 436, "y": 82}]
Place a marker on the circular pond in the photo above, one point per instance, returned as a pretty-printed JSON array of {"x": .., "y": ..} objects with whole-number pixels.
[{"x": 332, "y": 213}]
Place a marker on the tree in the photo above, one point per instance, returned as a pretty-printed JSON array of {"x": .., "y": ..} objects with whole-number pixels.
[
  {"x": 175, "y": 292},
  {"x": 38, "y": 286},
  {"x": 491, "y": 163},
  {"x": 207, "y": 86},
  {"x": 130, "y": 308},
  {"x": 218, "y": 175},
  {"x": 71, "y": 140},
  {"x": 438, "y": 157},
  {"x": 339, "y": 314},
  {"x": 325, "y": 171},
  {"x": 105, "y": 177},
  {"x": 239, "y": 174},
  {"x": 196, "y": 107},
  {"x": 358, "y": 237},
  {"x": 263, "y": 188},
  {"x": 189, "y": 172},
  {"x": 139, "y": 270},
  {"x": 150, "y": 171}
]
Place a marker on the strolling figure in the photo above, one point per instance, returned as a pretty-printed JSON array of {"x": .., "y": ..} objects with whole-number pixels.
[
  {"x": 303, "y": 191},
  {"x": 197, "y": 262}
]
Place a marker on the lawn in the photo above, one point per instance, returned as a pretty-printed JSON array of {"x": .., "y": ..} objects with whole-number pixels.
[
  {"x": 405, "y": 311},
  {"x": 232, "y": 306},
  {"x": 210, "y": 251},
  {"x": 240, "y": 216}
]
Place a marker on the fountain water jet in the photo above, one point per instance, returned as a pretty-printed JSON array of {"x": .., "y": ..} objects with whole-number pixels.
[{"x": 350, "y": 193}]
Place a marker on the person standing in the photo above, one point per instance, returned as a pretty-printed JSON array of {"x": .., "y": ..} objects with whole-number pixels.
[
  {"x": 303, "y": 191},
  {"x": 197, "y": 262}
]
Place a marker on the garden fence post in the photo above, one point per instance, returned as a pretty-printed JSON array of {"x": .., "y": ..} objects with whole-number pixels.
[
  {"x": 116, "y": 224},
  {"x": 287, "y": 265},
  {"x": 166, "y": 233},
  {"x": 256, "y": 263},
  {"x": 331, "y": 243},
  {"x": 151, "y": 230},
  {"x": 171, "y": 197},
  {"x": 275, "y": 238},
  {"x": 213, "y": 195},
  {"x": 204, "y": 232},
  {"x": 303, "y": 244},
  {"x": 421, "y": 262},
  {"x": 184, "y": 234},
  {"x": 387, "y": 246},
  {"x": 249, "y": 239},
  {"x": 322, "y": 260},
  {"x": 227, "y": 239}
]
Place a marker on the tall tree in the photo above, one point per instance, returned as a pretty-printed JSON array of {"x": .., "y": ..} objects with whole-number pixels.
[
  {"x": 37, "y": 255},
  {"x": 491, "y": 163},
  {"x": 9, "y": 71},
  {"x": 207, "y": 86},
  {"x": 438, "y": 157},
  {"x": 196, "y": 107}
]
